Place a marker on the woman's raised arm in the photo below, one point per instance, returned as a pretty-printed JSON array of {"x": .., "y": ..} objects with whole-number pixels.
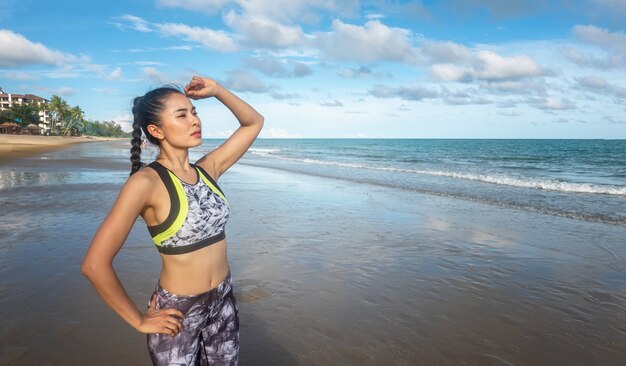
[{"x": 227, "y": 154}]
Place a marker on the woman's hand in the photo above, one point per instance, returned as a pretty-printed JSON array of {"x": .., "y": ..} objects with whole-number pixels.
[
  {"x": 199, "y": 88},
  {"x": 166, "y": 321}
]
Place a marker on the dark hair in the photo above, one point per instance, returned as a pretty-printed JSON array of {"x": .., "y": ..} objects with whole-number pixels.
[{"x": 146, "y": 111}]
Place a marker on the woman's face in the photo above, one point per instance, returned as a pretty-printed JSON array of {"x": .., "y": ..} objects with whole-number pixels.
[{"x": 179, "y": 122}]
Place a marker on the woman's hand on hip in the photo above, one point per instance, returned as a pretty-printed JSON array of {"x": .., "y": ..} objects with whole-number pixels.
[
  {"x": 200, "y": 87},
  {"x": 166, "y": 321}
]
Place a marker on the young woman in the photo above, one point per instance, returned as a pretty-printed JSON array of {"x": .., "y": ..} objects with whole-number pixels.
[{"x": 192, "y": 317}]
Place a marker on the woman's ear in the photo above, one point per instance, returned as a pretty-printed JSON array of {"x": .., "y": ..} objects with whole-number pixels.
[{"x": 155, "y": 131}]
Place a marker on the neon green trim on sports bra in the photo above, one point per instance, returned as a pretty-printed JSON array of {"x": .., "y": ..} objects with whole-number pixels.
[{"x": 182, "y": 212}]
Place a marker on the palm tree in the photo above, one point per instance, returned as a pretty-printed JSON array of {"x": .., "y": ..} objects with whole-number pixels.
[
  {"x": 74, "y": 120},
  {"x": 25, "y": 113},
  {"x": 57, "y": 108}
]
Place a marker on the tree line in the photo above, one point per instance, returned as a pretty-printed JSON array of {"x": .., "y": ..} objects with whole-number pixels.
[{"x": 64, "y": 119}]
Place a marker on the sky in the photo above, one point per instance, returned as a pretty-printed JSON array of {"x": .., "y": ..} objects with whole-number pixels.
[{"x": 335, "y": 69}]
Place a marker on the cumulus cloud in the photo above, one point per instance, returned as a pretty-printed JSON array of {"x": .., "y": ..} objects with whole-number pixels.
[
  {"x": 16, "y": 50},
  {"x": 369, "y": 43},
  {"x": 275, "y": 67},
  {"x": 361, "y": 72},
  {"x": 403, "y": 92},
  {"x": 609, "y": 61},
  {"x": 599, "y": 85},
  {"x": 450, "y": 72},
  {"x": 489, "y": 66},
  {"x": 445, "y": 52},
  {"x": 245, "y": 81},
  {"x": 209, "y": 38},
  {"x": 260, "y": 31},
  {"x": 603, "y": 38}
]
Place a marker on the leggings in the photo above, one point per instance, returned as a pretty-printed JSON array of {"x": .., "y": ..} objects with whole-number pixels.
[{"x": 210, "y": 334}]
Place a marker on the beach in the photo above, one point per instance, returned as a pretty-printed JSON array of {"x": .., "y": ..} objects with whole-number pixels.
[
  {"x": 15, "y": 146},
  {"x": 328, "y": 268}
]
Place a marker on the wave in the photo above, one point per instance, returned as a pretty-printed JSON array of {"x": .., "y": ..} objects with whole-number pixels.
[
  {"x": 262, "y": 152},
  {"x": 553, "y": 211},
  {"x": 500, "y": 179}
]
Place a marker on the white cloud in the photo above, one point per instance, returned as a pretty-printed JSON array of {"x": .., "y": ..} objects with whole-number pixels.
[
  {"x": 369, "y": 43},
  {"x": 553, "y": 104},
  {"x": 275, "y": 132},
  {"x": 601, "y": 86},
  {"x": 603, "y": 38},
  {"x": 245, "y": 81},
  {"x": 156, "y": 76},
  {"x": 609, "y": 61},
  {"x": 16, "y": 50},
  {"x": 132, "y": 22},
  {"x": 116, "y": 74},
  {"x": 20, "y": 76},
  {"x": 449, "y": 72},
  {"x": 125, "y": 121},
  {"x": 260, "y": 31},
  {"x": 445, "y": 52},
  {"x": 490, "y": 66},
  {"x": 403, "y": 92},
  {"x": 273, "y": 66},
  {"x": 217, "y": 40},
  {"x": 362, "y": 72}
]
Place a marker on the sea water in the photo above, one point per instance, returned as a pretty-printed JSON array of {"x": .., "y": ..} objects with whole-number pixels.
[{"x": 583, "y": 179}]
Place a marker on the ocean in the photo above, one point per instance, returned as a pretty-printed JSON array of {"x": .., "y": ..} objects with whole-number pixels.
[{"x": 582, "y": 179}]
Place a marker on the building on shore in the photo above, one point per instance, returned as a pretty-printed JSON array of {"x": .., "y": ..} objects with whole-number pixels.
[{"x": 7, "y": 100}]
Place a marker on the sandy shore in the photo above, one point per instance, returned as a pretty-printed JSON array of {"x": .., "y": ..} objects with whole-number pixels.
[{"x": 15, "y": 146}]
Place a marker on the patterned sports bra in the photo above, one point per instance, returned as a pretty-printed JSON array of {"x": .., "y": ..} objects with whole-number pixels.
[{"x": 198, "y": 213}]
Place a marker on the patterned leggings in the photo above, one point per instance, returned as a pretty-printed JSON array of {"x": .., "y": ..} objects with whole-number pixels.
[{"x": 210, "y": 334}]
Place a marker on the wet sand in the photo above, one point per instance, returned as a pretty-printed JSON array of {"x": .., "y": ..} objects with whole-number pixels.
[
  {"x": 15, "y": 146},
  {"x": 326, "y": 272}
]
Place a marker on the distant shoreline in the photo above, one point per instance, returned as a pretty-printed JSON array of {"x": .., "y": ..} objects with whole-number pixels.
[{"x": 17, "y": 146}]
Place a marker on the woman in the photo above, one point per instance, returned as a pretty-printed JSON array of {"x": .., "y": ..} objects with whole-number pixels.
[{"x": 192, "y": 317}]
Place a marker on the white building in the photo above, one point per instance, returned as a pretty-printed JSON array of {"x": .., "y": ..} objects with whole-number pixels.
[{"x": 7, "y": 100}]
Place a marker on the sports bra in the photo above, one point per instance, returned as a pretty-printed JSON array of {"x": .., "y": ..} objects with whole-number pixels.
[{"x": 198, "y": 213}]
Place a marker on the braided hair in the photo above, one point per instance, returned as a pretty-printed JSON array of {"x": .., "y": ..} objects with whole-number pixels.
[{"x": 146, "y": 111}]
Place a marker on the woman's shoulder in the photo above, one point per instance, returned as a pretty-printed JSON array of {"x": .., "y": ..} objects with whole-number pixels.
[{"x": 143, "y": 179}]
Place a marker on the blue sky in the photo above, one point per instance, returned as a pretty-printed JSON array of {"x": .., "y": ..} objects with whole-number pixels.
[{"x": 327, "y": 68}]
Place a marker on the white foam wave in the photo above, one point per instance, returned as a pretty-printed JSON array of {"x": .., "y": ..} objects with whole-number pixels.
[
  {"x": 533, "y": 183},
  {"x": 263, "y": 152}
]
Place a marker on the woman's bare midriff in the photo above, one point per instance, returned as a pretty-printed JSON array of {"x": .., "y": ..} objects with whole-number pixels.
[{"x": 195, "y": 272}]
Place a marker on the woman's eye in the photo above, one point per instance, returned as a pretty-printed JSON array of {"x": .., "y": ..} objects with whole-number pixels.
[{"x": 181, "y": 116}]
